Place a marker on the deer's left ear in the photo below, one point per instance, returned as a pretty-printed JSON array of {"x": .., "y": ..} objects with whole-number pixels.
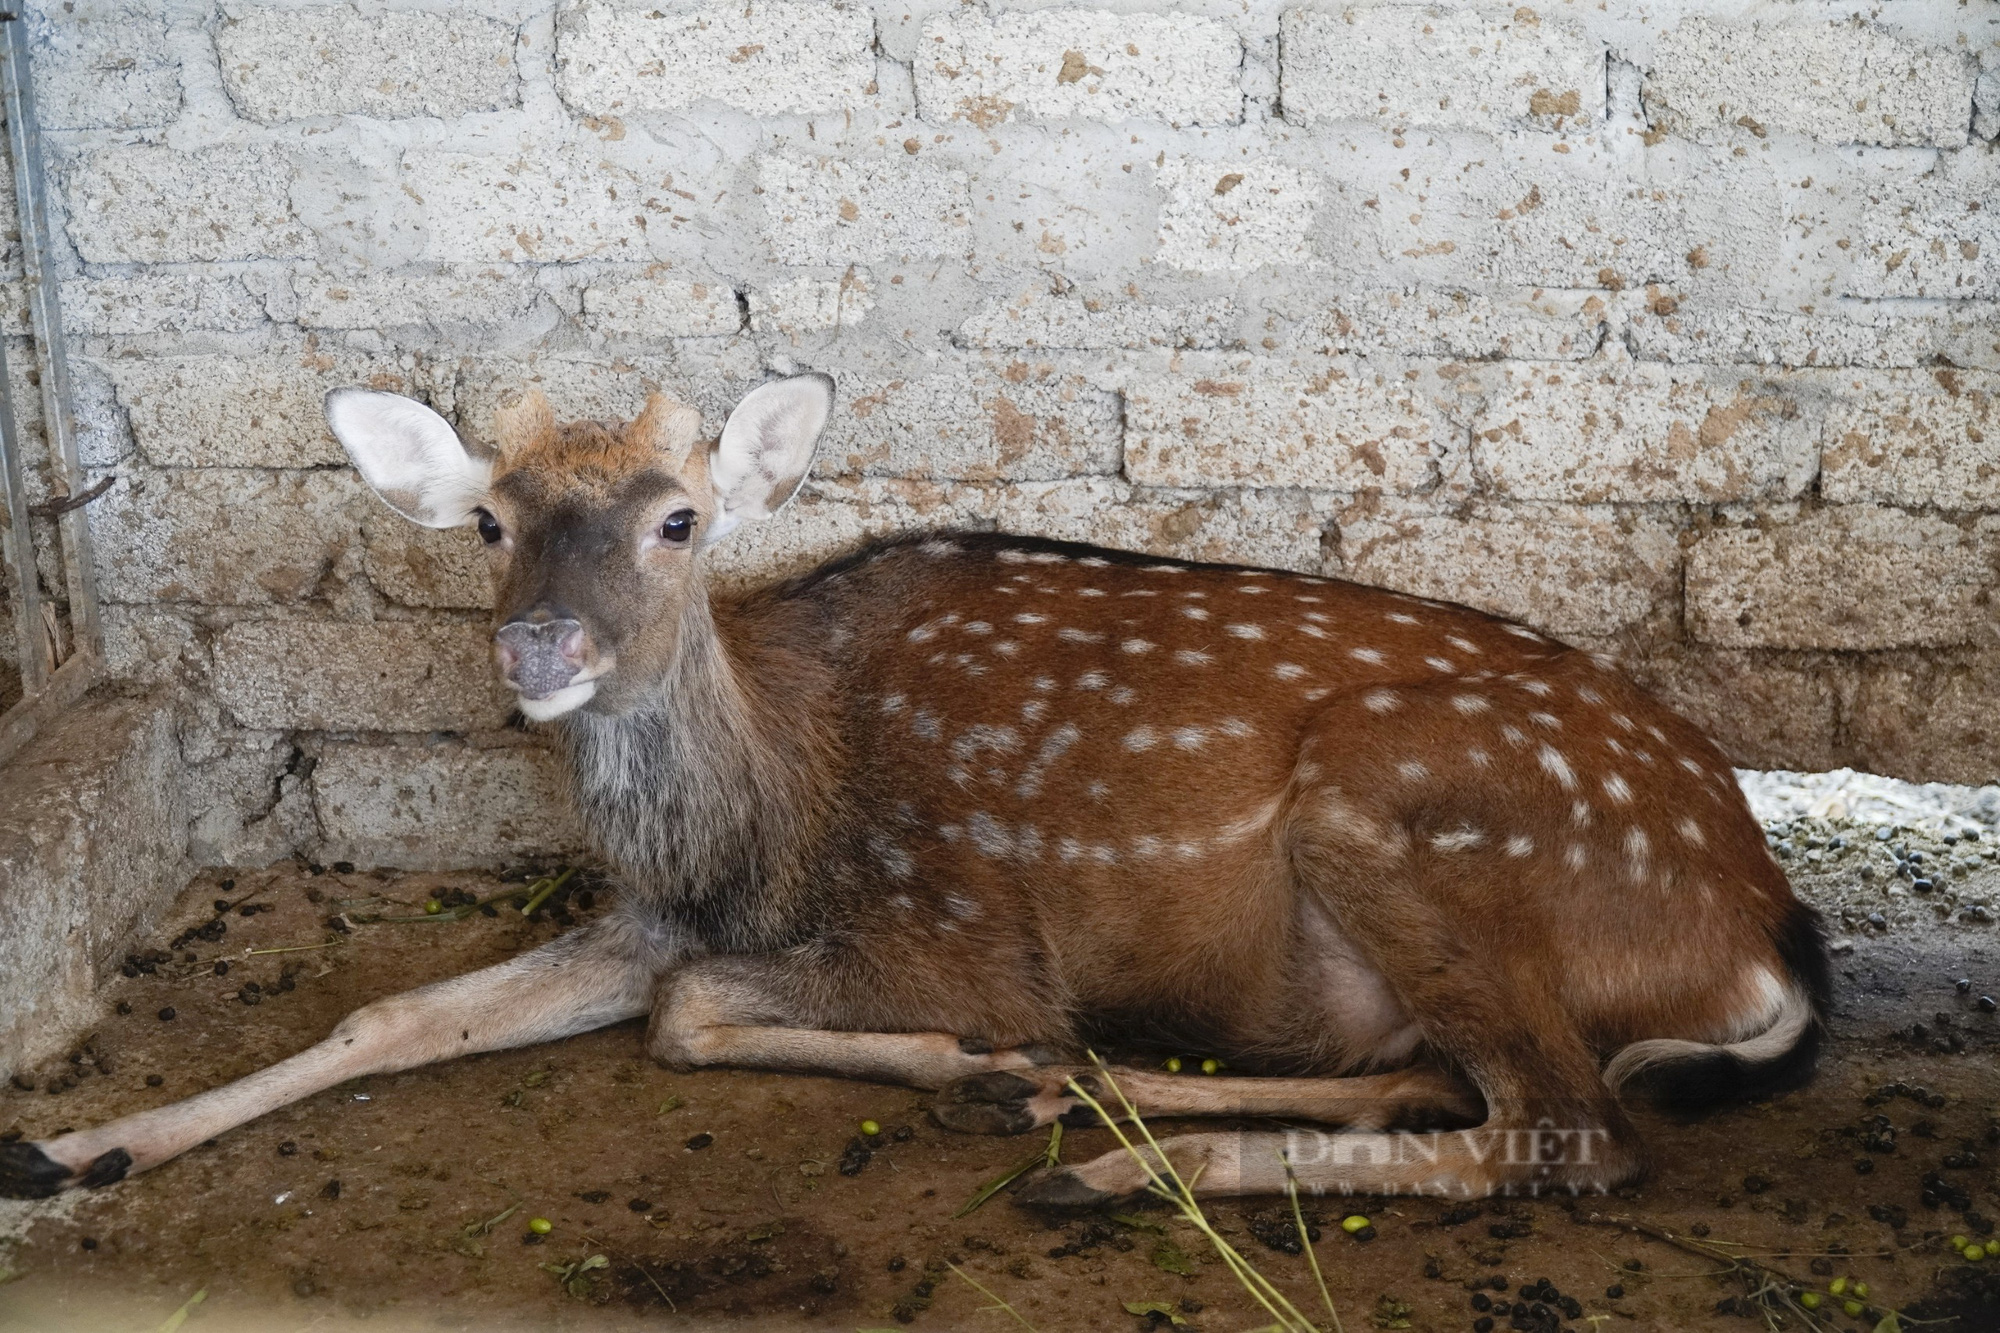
[{"x": 766, "y": 449}]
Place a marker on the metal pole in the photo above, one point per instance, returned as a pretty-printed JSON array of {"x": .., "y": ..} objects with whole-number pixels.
[
  {"x": 18, "y": 549},
  {"x": 24, "y": 141}
]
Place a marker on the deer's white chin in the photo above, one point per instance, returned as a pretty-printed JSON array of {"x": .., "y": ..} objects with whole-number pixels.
[{"x": 566, "y": 699}]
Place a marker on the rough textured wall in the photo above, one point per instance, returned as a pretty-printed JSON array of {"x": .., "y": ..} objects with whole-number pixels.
[{"x": 1667, "y": 327}]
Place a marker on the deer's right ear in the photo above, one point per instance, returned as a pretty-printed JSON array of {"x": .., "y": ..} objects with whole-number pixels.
[{"x": 410, "y": 455}]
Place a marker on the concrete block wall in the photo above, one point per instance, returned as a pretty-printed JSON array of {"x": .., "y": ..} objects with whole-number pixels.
[{"x": 1671, "y": 328}]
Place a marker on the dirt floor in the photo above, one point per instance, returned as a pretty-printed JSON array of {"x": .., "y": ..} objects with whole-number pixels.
[{"x": 745, "y": 1199}]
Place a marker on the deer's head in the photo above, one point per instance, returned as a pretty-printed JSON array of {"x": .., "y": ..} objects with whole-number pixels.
[{"x": 595, "y": 532}]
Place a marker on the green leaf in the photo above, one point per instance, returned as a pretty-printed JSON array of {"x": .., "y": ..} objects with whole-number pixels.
[
  {"x": 1001, "y": 1182},
  {"x": 1889, "y": 1324},
  {"x": 673, "y": 1103},
  {"x": 1171, "y": 1258},
  {"x": 1167, "y": 1308},
  {"x": 1138, "y": 1223}
]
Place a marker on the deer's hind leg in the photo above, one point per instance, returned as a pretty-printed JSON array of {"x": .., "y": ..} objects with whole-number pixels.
[
  {"x": 1410, "y": 904},
  {"x": 1016, "y": 1101}
]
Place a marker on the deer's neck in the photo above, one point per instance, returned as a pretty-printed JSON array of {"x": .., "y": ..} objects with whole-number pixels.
[{"x": 703, "y": 796}]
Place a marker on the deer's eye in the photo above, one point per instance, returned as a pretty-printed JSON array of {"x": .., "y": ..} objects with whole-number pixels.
[
  {"x": 489, "y": 528},
  {"x": 679, "y": 526}
]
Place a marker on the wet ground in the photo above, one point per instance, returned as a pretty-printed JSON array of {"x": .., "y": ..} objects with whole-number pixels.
[{"x": 740, "y": 1199}]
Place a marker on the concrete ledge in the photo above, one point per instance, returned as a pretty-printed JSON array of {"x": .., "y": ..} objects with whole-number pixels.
[{"x": 93, "y": 846}]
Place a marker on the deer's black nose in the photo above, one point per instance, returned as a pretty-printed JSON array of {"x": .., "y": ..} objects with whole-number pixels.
[{"x": 539, "y": 657}]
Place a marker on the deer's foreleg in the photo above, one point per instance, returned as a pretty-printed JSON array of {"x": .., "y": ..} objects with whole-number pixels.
[
  {"x": 729, "y": 1011},
  {"x": 594, "y": 976}
]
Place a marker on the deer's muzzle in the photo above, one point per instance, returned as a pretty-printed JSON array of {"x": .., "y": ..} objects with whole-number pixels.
[{"x": 539, "y": 658}]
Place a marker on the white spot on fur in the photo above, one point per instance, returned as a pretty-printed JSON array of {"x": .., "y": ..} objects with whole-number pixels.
[
  {"x": 1479, "y": 758},
  {"x": 1638, "y": 847},
  {"x": 1539, "y": 688},
  {"x": 1618, "y": 790},
  {"x": 1288, "y": 671},
  {"x": 1094, "y": 562},
  {"x": 1006, "y": 647},
  {"x": 1070, "y": 634},
  {"x": 1052, "y": 748},
  {"x": 1122, "y": 695},
  {"x": 1141, "y": 738},
  {"x": 1317, "y": 617},
  {"x": 1691, "y": 766},
  {"x": 1546, "y": 721},
  {"x": 1469, "y": 704},
  {"x": 1463, "y": 645},
  {"x": 1458, "y": 840},
  {"x": 1044, "y": 683},
  {"x": 1236, "y": 726},
  {"x": 1381, "y": 701},
  {"x": 925, "y": 724},
  {"x": 901, "y": 902},
  {"x": 1440, "y": 664},
  {"x": 1624, "y": 722},
  {"x": 1030, "y": 618},
  {"x": 1190, "y": 738},
  {"x": 1049, "y": 558},
  {"x": 1403, "y": 618},
  {"x": 977, "y": 627},
  {"x": 1034, "y": 710},
  {"x": 939, "y": 546},
  {"x": 1246, "y": 631},
  {"x": 894, "y": 703},
  {"x": 1523, "y": 632},
  {"x": 1579, "y": 813},
  {"x": 1412, "y": 770},
  {"x": 1195, "y": 612},
  {"x": 1513, "y": 735},
  {"x": 1092, "y": 680},
  {"x": 1520, "y": 845},
  {"x": 1588, "y": 695},
  {"x": 981, "y": 737},
  {"x": 1148, "y": 845},
  {"x": 1187, "y": 851},
  {"x": 1576, "y": 856},
  {"x": 1557, "y": 767},
  {"x": 963, "y": 908},
  {"x": 1193, "y": 657},
  {"x": 1313, "y": 632},
  {"x": 1372, "y": 656},
  {"x": 1316, "y": 694},
  {"x": 1098, "y": 789},
  {"x": 1691, "y": 831},
  {"x": 1069, "y": 849},
  {"x": 1137, "y": 646},
  {"x": 1092, "y": 592}
]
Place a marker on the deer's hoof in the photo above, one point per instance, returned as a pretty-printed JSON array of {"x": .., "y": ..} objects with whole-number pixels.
[
  {"x": 1060, "y": 1187},
  {"x": 26, "y": 1172},
  {"x": 991, "y": 1103}
]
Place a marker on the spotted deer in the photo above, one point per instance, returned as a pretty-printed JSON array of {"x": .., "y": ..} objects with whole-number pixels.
[{"x": 952, "y": 809}]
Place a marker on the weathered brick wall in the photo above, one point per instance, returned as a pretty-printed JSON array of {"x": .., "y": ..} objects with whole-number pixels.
[{"x": 1669, "y": 328}]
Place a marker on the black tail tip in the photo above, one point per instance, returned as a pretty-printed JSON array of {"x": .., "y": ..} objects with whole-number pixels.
[{"x": 1718, "y": 1078}]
